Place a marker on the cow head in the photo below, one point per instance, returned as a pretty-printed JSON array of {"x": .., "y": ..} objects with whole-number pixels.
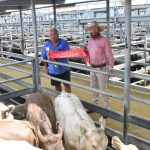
[
  {"x": 117, "y": 144},
  {"x": 5, "y": 111},
  {"x": 52, "y": 141},
  {"x": 92, "y": 138}
]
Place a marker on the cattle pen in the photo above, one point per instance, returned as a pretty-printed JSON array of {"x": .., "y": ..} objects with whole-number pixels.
[{"x": 128, "y": 117}]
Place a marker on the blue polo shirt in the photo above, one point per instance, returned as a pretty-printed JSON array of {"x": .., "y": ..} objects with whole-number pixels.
[{"x": 62, "y": 45}]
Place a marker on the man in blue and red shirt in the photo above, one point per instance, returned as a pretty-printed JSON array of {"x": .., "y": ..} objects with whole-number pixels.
[{"x": 62, "y": 72}]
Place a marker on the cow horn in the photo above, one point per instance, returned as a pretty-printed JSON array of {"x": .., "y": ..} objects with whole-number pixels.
[
  {"x": 102, "y": 123},
  {"x": 59, "y": 129},
  {"x": 11, "y": 107}
]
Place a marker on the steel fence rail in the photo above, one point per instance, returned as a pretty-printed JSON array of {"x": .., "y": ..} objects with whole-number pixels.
[
  {"x": 10, "y": 54},
  {"x": 116, "y": 73},
  {"x": 14, "y": 79},
  {"x": 133, "y": 49},
  {"x": 14, "y": 63},
  {"x": 85, "y": 87},
  {"x": 140, "y": 100},
  {"x": 22, "y": 83},
  {"x": 17, "y": 93},
  {"x": 90, "y": 106},
  {"x": 20, "y": 70},
  {"x": 11, "y": 95}
]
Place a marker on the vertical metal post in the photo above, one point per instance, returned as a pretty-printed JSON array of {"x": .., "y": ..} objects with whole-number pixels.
[
  {"x": 138, "y": 15},
  {"x": 3, "y": 30},
  {"x": 22, "y": 32},
  {"x": 1, "y": 48},
  {"x": 77, "y": 15},
  {"x": 35, "y": 46},
  {"x": 54, "y": 12},
  {"x": 34, "y": 75},
  {"x": 127, "y": 67},
  {"x": 108, "y": 17},
  {"x": 121, "y": 33},
  {"x": 84, "y": 34},
  {"x": 0, "y": 43},
  {"x": 145, "y": 48}
]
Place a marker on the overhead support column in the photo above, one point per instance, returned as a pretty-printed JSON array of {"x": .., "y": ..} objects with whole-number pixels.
[
  {"x": 127, "y": 67},
  {"x": 54, "y": 12},
  {"x": 108, "y": 17},
  {"x": 22, "y": 32},
  {"x": 37, "y": 75}
]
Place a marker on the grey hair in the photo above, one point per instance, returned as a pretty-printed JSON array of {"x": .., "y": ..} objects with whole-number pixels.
[{"x": 53, "y": 30}]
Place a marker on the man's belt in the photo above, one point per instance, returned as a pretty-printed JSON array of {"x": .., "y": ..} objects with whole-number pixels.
[{"x": 98, "y": 66}]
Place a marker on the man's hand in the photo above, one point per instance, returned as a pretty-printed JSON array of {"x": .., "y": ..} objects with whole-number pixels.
[
  {"x": 84, "y": 48},
  {"x": 46, "y": 68}
]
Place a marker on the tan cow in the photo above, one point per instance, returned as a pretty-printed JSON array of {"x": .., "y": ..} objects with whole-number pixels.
[
  {"x": 80, "y": 132},
  {"x": 118, "y": 145},
  {"x": 16, "y": 145},
  {"x": 36, "y": 115},
  {"x": 5, "y": 111},
  {"x": 18, "y": 130}
]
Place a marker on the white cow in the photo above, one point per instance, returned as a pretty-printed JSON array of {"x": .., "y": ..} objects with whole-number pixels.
[
  {"x": 80, "y": 132},
  {"x": 5, "y": 111},
  {"x": 16, "y": 145}
]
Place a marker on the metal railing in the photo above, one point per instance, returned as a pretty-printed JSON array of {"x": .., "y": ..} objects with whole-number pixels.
[
  {"x": 18, "y": 80},
  {"x": 133, "y": 119},
  {"x": 32, "y": 87}
]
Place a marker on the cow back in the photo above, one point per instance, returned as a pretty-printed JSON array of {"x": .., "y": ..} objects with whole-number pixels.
[
  {"x": 18, "y": 130},
  {"x": 43, "y": 101},
  {"x": 80, "y": 132}
]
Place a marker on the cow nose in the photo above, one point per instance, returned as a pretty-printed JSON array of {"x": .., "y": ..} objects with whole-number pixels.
[{"x": 94, "y": 146}]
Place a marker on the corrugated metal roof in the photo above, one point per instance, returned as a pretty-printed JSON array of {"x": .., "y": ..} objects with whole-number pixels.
[
  {"x": 27, "y": 2},
  {"x": 24, "y": 4}
]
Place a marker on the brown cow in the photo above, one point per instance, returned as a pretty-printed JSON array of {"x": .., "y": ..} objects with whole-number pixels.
[
  {"x": 18, "y": 130},
  {"x": 36, "y": 115},
  {"x": 43, "y": 101}
]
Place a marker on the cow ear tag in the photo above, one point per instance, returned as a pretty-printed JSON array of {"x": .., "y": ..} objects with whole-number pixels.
[{"x": 82, "y": 133}]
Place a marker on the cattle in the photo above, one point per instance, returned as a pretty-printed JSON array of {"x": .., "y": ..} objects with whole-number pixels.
[
  {"x": 118, "y": 145},
  {"x": 80, "y": 132},
  {"x": 18, "y": 130},
  {"x": 16, "y": 145},
  {"x": 48, "y": 140},
  {"x": 43, "y": 100},
  {"x": 5, "y": 111}
]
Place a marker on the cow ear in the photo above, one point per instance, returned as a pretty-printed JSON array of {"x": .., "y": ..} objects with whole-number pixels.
[
  {"x": 102, "y": 123},
  {"x": 11, "y": 107}
]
